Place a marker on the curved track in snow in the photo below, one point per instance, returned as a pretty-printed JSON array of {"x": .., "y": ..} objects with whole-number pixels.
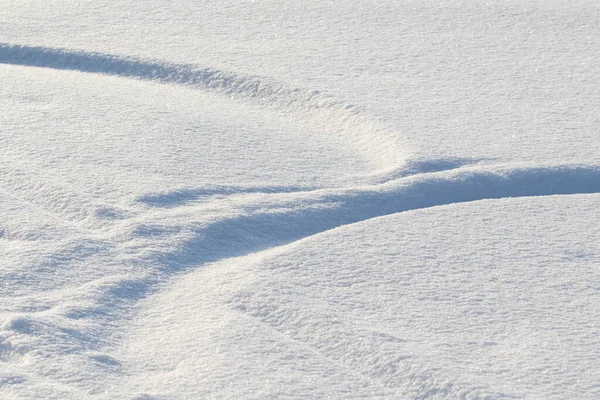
[
  {"x": 276, "y": 218},
  {"x": 336, "y": 117},
  {"x": 256, "y": 219},
  {"x": 174, "y": 224}
]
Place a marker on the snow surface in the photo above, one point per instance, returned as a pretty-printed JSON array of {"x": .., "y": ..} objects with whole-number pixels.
[{"x": 268, "y": 199}]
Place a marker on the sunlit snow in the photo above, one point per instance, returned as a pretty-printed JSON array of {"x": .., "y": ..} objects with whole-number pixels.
[{"x": 277, "y": 199}]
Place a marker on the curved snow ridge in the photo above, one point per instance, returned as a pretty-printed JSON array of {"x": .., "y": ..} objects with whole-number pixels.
[
  {"x": 188, "y": 195},
  {"x": 263, "y": 222},
  {"x": 367, "y": 136},
  {"x": 266, "y": 221},
  {"x": 426, "y": 166}
]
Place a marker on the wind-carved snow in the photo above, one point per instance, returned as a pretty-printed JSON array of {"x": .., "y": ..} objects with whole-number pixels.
[
  {"x": 363, "y": 309},
  {"x": 366, "y": 135},
  {"x": 70, "y": 321},
  {"x": 168, "y": 241}
]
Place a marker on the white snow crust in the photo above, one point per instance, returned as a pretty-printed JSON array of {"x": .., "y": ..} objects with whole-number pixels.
[{"x": 276, "y": 199}]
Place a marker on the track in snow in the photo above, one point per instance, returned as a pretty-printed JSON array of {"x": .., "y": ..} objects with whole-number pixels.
[
  {"x": 273, "y": 219},
  {"x": 260, "y": 220},
  {"x": 334, "y": 116},
  {"x": 273, "y": 216},
  {"x": 264, "y": 217}
]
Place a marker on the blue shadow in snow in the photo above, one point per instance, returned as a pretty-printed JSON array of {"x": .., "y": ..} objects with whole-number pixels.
[
  {"x": 145, "y": 69},
  {"x": 254, "y": 232}
]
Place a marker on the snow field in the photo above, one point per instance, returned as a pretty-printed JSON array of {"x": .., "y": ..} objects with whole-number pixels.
[
  {"x": 280, "y": 200},
  {"x": 478, "y": 317}
]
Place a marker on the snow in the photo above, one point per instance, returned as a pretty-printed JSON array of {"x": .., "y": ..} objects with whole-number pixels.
[
  {"x": 416, "y": 304},
  {"x": 266, "y": 199}
]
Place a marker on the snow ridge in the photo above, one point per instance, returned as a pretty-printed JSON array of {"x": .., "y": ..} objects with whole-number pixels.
[
  {"x": 167, "y": 234},
  {"x": 182, "y": 238},
  {"x": 275, "y": 218},
  {"x": 367, "y": 136}
]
